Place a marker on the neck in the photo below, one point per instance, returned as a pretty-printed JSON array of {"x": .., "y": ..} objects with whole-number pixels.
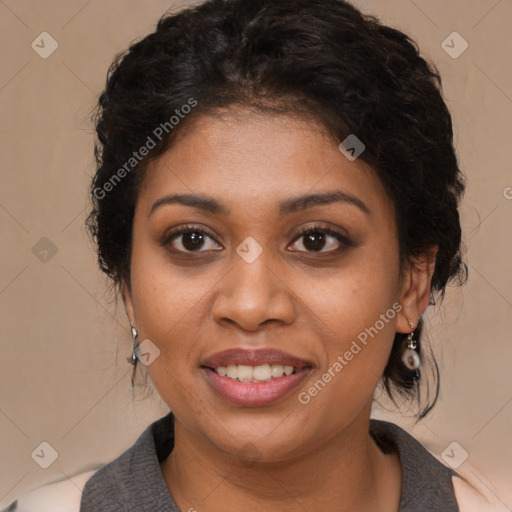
[{"x": 347, "y": 472}]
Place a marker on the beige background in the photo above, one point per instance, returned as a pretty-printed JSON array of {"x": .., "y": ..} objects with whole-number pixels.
[{"x": 64, "y": 377}]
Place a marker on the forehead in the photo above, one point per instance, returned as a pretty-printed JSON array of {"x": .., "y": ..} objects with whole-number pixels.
[{"x": 252, "y": 160}]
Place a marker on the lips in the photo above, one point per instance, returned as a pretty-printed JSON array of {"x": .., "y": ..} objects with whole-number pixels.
[
  {"x": 243, "y": 377},
  {"x": 237, "y": 356}
]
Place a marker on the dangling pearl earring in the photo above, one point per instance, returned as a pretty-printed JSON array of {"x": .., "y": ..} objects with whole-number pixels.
[{"x": 410, "y": 357}]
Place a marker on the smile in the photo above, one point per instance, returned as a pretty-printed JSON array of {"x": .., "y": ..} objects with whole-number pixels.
[
  {"x": 252, "y": 378},
  {"x": 260, "y": 373}
]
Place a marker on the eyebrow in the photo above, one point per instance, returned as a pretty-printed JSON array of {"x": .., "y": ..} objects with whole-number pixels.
[
  {"x": 195, "y": 201},
  {"x": 287, "y": 207},
  {"x": 308, "y": 201}
]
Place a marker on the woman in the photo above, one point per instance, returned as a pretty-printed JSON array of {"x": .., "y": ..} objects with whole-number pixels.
[{"x": 276, "y": 202}]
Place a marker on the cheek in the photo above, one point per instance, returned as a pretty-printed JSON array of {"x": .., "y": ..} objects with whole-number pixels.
[
  {"x": 166, "y": 297},
  {"x": 354, "y": 314},
  {"x": 168, "y": 310},
  {"x": 167, "y": 303},
  {"x": 350, "y": 299},
  {"x": 356, "y": 330}
]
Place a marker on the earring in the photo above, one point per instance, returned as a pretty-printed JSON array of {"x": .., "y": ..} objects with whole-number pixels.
[
  {"x": 410, "y": 357},
  {"x": 135, "y": 335}
]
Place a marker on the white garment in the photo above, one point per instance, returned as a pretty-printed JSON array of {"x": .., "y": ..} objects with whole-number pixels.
[{"x": 60, "y": 496}]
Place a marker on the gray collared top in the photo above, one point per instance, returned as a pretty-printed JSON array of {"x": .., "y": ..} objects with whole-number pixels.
[{"x": 134, "y": 482}]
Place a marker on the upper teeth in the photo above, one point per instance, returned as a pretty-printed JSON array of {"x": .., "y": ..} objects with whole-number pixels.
[{"x": 259, "y": 373}]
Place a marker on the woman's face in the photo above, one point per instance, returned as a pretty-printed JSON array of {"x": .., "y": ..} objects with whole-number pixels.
[{"x": 253, "y": 286}]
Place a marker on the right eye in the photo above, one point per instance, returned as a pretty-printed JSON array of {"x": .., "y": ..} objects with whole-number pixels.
[{"x": 189, "y": 239}]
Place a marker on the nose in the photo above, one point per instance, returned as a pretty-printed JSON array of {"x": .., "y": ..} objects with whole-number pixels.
[{"x": 253, "y": 294}]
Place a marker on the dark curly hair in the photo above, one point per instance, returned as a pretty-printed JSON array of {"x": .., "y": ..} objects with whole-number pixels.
[{"x": 320, "y": 59}]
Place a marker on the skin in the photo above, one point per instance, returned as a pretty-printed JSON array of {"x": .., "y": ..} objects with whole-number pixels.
[{"x": 309, "y": 304}]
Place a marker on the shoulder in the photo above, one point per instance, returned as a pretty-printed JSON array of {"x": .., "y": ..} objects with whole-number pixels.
[
  {"x": 60, "y": 496},
  {"x": 415, "y": 458},
  {"x": 461, "y": 486},
  {"x": 475, "y": 498},
  {"x": 426, "y": 482},
  {"x": 119, "y": 479}
]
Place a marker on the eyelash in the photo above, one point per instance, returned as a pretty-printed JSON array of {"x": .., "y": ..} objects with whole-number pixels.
[
  {"x": 182, "y": 231},
  {"x": 319, "y": 228},
  {"x": 344, "y": 241}
]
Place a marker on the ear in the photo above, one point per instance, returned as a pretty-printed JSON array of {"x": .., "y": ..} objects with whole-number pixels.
[
  {"x": 128, "y": 302},
  {"x": 415, "y": 293}
]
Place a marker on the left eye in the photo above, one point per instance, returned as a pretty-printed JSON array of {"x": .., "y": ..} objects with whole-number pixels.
[{"x": 321, "y": 240}]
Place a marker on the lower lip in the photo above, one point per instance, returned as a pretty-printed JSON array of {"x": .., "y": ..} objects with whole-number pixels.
[{"x": 253, "y": 394}]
